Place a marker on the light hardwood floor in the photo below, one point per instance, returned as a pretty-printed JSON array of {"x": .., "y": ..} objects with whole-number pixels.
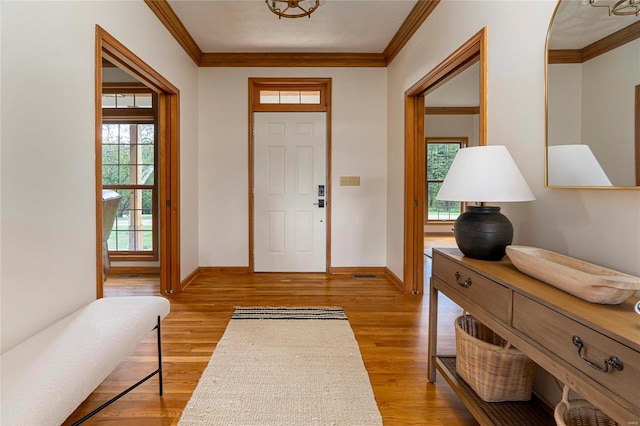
[
  {"x": 391, "y": 329},
  {"x": 438, "y": 240}
]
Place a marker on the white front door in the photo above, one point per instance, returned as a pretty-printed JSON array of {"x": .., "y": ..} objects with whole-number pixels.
[{"x": 289, "y": 191}]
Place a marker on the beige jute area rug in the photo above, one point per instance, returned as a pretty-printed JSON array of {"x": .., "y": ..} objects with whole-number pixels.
[{"x": 284, "y": 366}]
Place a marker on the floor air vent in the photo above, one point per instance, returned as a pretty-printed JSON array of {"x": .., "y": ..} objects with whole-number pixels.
[
  {"x": 364, "y": 276},
  {"x": 128, "y": 276}
]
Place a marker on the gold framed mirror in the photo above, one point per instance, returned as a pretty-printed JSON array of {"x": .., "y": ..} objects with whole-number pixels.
[{"x": 592, "y": 97}]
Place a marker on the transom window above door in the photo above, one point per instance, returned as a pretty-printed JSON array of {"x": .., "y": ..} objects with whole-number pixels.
[
  {"x": 290, "y": 97},
  {"x": 127, "y": 100}
]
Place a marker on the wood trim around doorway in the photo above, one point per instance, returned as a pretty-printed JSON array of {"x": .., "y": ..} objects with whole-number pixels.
[
  {"x": 255, "y": 84},
  {"x": 637, "y": 134},
  {"x": 107, "y": 47},
  {"x": 474, "y": 50}
]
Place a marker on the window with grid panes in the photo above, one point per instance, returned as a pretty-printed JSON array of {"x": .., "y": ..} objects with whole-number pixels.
[
  {"x": 439, "y": 156},
  {"x": 128, "y": 167}
]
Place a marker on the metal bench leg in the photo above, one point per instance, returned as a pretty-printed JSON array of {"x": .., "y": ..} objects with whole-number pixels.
[
  {"x": 159, "y": 355},
  {"x": 123, "y": 393}
]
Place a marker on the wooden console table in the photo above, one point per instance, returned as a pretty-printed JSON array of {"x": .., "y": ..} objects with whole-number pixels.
[{"x": 541, "y": 321}]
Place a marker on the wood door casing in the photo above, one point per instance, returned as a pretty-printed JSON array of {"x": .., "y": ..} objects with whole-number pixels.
[
  {"x": 472, "y": 51},
  {"x": 107, "y": 47},
  {"x": 255, "y": 85}
]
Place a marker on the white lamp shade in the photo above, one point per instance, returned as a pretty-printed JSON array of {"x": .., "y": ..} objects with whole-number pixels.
[
  {"x": 484, "y": 173},
  {"x": 574, "y": 165}
]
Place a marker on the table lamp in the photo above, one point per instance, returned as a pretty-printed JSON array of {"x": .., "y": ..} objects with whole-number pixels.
[
  {"x": 484, "y": 174},
  {"x": 574, "y": 165}
]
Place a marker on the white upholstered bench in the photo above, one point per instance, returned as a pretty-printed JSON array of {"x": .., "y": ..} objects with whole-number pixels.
[{"x": 45, "y": 378}]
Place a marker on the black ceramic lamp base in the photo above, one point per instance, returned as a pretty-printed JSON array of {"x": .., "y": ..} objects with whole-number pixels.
[{"x": 483, "y": 232}]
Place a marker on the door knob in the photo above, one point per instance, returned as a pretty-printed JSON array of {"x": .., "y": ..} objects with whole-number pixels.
[{"x": 320, "y": 204}]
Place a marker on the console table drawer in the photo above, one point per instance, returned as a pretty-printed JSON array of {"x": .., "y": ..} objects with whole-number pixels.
[
  {"x": 484, "y": 293},
  {"x": 555, "y": 332}
]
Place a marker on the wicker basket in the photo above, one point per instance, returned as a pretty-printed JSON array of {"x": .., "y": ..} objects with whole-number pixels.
[
  {"x": 579, "y": 412},
  {"x": 494, "y": 370}
]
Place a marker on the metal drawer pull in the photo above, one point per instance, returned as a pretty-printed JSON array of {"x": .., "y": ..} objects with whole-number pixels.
[
  {"x": 613, "y": 361},
  {"x": 466, "y": 282}
]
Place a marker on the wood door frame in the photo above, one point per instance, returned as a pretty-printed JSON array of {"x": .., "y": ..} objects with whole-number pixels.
[
  {"x": 474, "y": 50},
  {"x": 324, "y": 84},
  {"x": 169, "y": 161},
  {"x": 637, "y": 134}
]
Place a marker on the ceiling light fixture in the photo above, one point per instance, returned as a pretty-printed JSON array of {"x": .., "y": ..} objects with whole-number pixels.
[
  {"x": 293, "y": 8},
  {"x": 619, "y": 8}
]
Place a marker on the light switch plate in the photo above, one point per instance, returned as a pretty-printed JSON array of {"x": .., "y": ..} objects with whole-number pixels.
[{"x": 349, "y": 180}]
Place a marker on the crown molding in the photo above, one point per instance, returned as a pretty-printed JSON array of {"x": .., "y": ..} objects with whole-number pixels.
[
  {"x": 604, "y": 45},
  {"x": 416, "y": 17},
  {"x": 292, "y": 60},
  {"x": 565, "y": 56},
  {"x": 611, "y": 42},
  {"x": 170, "y": 20}
]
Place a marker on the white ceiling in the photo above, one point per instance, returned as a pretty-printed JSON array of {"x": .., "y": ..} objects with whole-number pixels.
[
  {"x": 337, "y": 26},
  {"x": 577, "y": 25}
]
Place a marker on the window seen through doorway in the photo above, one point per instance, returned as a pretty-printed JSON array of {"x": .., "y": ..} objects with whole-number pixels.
[
  {"x": 129, "y": 156},
  {"x": 440, "y": 153}
]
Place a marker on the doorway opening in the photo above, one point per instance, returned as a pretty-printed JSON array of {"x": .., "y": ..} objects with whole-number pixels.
[
  {"x": 470, "y": 53},
  {"x": 166, "y": 161},
  {"x": 290, "y": 95}
]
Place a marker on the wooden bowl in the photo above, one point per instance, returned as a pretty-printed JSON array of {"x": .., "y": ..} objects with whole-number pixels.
[{"x": 585, "y": 280}]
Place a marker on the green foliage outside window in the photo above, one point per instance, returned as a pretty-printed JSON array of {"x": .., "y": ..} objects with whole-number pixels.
[
  {"x": 440, "y": 155},
  {"x": 117, "y": 163}
]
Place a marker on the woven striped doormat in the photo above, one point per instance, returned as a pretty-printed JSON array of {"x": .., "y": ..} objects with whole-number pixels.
[
  {"x": 285, "y": 366},
  {"x": 289, "y": 313}
]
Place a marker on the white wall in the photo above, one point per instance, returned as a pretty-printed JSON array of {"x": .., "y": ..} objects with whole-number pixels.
[
  {"x": 461, "y": 91},
  {"x": 608, "y": 120},
  {"x": 453, "y": 126},
  {"x": 565, "y": 104},
  {"x": 1, "y": 3},
  {"x": 595, "y": 225},
  {"x": 48, "y": 178},
  {"x": 358, "y": 149},
  {"x": 593, "y": 103}
]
